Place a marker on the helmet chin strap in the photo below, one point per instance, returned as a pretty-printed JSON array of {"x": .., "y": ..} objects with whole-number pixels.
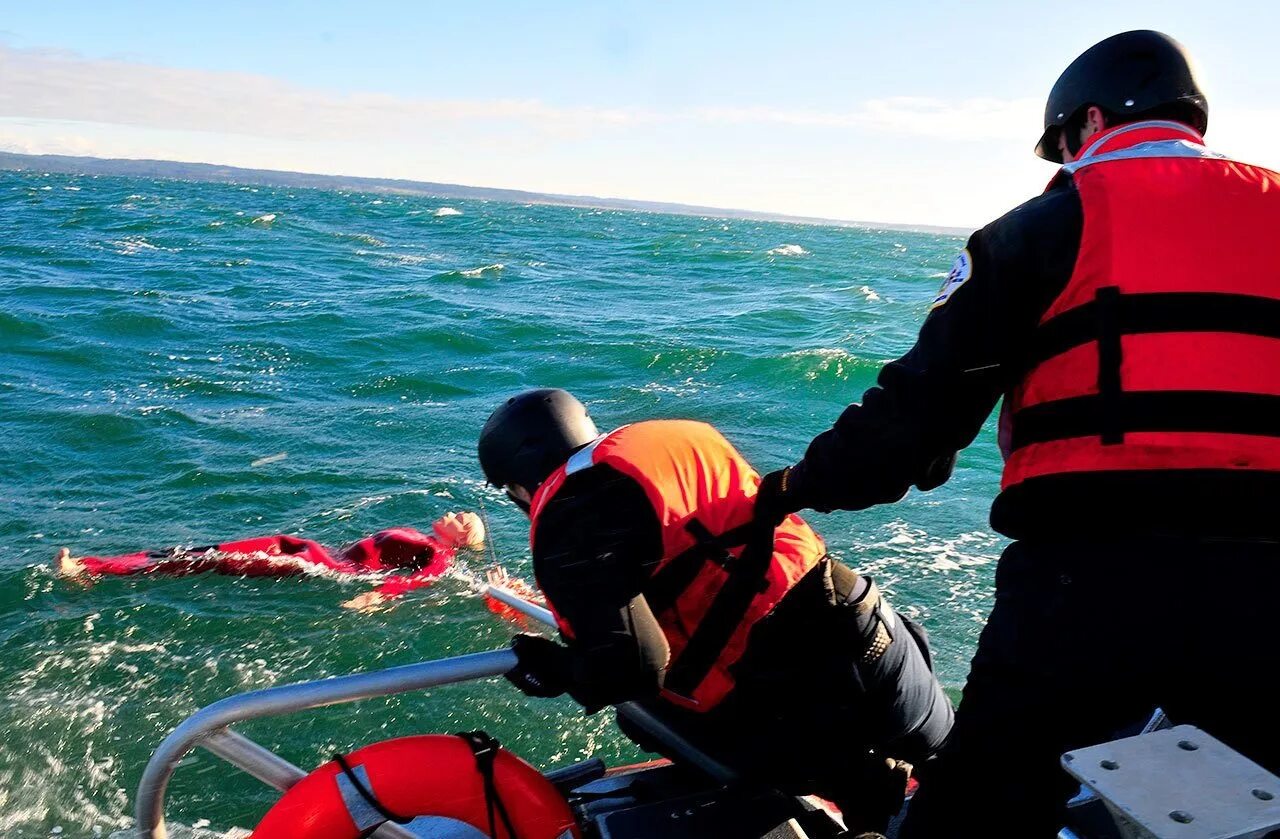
[{"x": 519, "y": 502}]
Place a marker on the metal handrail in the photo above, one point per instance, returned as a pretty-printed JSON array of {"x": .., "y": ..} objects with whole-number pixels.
[{"x": 209, "y": 728}]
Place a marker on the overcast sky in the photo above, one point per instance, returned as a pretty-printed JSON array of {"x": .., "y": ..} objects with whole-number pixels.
[{"x": 913, "y": 112}]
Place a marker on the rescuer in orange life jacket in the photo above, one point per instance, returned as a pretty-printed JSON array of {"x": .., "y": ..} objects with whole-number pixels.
[
  {"x": 752, "y": 643},
  {"x": 1130, "y": 318}
]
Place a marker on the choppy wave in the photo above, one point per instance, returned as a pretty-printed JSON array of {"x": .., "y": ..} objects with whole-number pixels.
[
  {"x": 446, "y": 211},
  {"x": 788, "y": 250},
  {"x": 131, "y": 245},
  {"x": 483, "y": 269}
]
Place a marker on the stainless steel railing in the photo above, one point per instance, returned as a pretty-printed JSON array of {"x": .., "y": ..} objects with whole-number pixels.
[{"x": 209, "y": 728}]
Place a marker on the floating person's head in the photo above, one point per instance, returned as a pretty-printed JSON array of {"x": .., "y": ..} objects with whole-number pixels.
[
  {"x": 530, "y": 436},
  {"x": 460, "y": 530}
]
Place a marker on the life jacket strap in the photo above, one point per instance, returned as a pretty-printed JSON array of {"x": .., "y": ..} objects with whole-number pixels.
[
  {"x": 1110, "y": 357},
  {"x": 671, "y": 580},
  {"x": 747, "y": 578},
  {"x": 1113, "y": 412},
  {"x": 1167, "y": 311},
  {"x": 1176, "y": 411}
]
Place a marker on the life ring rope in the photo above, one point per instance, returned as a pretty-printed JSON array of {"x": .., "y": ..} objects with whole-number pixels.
[{"x": 485, "y": 748}]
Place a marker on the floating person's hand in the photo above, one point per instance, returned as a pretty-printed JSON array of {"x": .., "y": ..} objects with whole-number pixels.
[
  {"x": 67, "y": 565},
  {"x": 366, "y": 602},
  {"x": 460, "y": 530}
]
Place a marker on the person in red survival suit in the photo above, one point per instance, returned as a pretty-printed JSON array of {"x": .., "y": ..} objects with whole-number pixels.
[
  {"x": 1130, "y": 319},
  {"x": 772, "y": 657},
  {"x": 409, "y": 558}
]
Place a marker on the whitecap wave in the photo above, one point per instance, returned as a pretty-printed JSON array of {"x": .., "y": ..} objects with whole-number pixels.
[
  {"x": 484, "y": 269},
  {"x": 788, "y": 250},
  {"x": 688, "y": 387},
  {"x": 824, "y": 361},
  {"x": 265, "y": 218},
  {"x": 446, "y": 211},
  {"x": 391, "y": 259},
  {"x": 131, "y": 245}
]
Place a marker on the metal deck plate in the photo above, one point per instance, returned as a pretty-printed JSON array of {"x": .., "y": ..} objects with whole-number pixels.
[{"x": 1179, "y": 783}]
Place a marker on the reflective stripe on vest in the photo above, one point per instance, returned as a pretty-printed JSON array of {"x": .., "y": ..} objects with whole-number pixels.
[
  {"x": 1182, "y": 141},
  {"x": 1163, "y": 350},
  {"x": 582, "y": 458},
  {"x": 717, "y": 578}
]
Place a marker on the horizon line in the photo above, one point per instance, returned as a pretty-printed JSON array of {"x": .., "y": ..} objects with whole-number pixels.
[{"x": 224, "y": 173}]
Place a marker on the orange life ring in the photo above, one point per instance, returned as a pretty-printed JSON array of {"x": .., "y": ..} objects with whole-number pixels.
[{"x": 424, "y": 775}]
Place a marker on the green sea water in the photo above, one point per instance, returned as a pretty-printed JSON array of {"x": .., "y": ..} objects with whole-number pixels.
[{"x": 163, "y": 343}]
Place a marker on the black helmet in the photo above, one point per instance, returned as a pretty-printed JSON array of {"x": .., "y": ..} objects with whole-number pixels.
[
  {"x": 1126, "y": 74},
  {"x": 531, "y": 435}
]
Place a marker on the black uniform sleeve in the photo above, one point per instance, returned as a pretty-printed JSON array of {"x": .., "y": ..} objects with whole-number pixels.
[
  {"x": 596, "y": 544},
  {"x": 931, "y": 403}
]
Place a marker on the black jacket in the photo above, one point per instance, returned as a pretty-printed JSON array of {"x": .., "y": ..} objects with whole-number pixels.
[
  {"x": 598, "y": 541},
  {"x": 974, "y": 347}
]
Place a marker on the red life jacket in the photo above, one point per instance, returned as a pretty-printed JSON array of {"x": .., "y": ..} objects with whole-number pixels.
[
  {"x": 1163, "y": 350},
  {"x": 714, "y": 581}
]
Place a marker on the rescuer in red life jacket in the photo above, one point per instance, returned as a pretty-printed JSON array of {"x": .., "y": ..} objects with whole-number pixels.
[
  {"x": 409, "y": 559},
  {"x": 1130, "y": 319},
  {"x": 769, "y": 655}
]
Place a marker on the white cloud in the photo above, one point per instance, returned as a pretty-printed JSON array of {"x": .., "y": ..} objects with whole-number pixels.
[
  {"x": 55, "y": 85},
  {"x": 905, "y": 159},
  {"x": 46, "y": 84}
]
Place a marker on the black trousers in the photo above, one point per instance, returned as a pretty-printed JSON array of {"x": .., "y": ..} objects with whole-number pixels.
[
  {"x": 1084, "y": 641},
  {"x": 827, "y": 726}
]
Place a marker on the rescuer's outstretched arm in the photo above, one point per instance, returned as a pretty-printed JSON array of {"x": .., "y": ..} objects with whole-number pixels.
[
  {"x": 596, "y": 543},
  {"x": 932, "y": 402}
]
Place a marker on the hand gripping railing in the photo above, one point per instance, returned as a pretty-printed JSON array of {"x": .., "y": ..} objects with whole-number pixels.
[{"x": 209, "y": 729}]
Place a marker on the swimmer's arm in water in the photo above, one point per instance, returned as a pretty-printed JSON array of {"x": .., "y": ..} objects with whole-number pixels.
[
  {"x": 366, "y": 602},
  {"x": 173, "y": 561}
]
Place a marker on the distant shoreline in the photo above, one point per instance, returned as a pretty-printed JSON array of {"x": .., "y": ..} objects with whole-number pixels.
[{"x": 215, "y": 173}]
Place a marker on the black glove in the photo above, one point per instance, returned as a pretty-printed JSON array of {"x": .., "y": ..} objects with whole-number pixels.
[
  {"x": 542, "y": 667},
  {"x": 937, "y": 473},
  {"x": 773, "y": 500}
]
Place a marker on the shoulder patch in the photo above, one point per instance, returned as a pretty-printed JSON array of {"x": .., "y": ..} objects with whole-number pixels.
[{"x": 959, "y": 274}]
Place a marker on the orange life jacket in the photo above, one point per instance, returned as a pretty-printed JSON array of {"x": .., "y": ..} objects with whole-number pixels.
[
  {"x": 719, "y": 573},
  {"x": 1163, "y": 350}
]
